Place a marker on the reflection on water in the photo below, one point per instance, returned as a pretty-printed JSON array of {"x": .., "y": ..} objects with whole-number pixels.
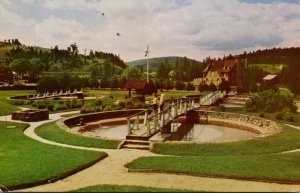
[
  {"x": 204, "y": 133},
  {"x": 185, "y": 132}
]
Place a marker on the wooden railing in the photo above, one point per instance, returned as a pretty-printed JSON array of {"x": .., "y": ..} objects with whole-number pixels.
[
  {"x": 151, "y": 122},
  {"x": 156, "y": 121}
]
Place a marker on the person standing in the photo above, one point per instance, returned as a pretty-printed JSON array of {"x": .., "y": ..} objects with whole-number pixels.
[
  {"x": 155, "y": 102},
  {"x": 162, "y": 100}
]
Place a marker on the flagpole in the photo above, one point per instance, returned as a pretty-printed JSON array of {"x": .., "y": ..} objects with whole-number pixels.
[{"x": 148, "y": 67}]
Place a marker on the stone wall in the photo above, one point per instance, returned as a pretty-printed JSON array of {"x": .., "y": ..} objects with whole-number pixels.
[
  {"x": 245, "y": 122},
  {"x": 30, "y": 115},
  {"x": 237, "y": 100},
  {"x": 86, "y": 118}
]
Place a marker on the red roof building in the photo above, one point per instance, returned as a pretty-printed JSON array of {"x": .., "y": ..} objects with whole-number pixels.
[
  {"x": 221, "y": 70},
  {"x": 135, "y": 84}
]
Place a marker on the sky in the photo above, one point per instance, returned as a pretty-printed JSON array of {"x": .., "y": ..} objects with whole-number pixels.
[{"x": 191, "y": 28}]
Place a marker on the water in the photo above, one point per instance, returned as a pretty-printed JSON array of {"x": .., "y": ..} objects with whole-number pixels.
[
  {"x": 110, "y": 132},
  {"x": 205, "y": 133},
  {"x": 186, "y": 132}
]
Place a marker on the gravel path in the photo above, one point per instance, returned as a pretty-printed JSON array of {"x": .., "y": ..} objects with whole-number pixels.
[{"x": 111, "y": 170}]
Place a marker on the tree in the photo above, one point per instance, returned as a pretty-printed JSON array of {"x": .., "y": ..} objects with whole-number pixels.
[
  {"x": 74, "y": 48},
  {"x": 35, "y": 68},
  {"x": 189, "y": 87},
  {"x": 132, "y": 73},
  {"x": 224, "y": 85},
  {"x": 20, "y": 65},
  {"x": 179, "y": 85},
  {"x": 203, "y": 87}
]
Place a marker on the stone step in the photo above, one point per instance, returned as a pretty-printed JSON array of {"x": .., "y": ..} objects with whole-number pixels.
[
  {"x": 136, "y": 146},
  {"x": 138, "y": 142}
]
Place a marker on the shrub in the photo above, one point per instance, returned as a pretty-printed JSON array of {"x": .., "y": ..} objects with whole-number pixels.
[
  {"x": 60, "y": 107},
  {"x": 41, "y": 106},
  {"x": 19, "y": 102},
  {"x": 68, "y": 104},
  {"x": 290, "y": 118},
  {"x": 279, "y": 116},
  {"x": 50, "y": 107},
  {"x": 61, "y": 102},
  {"x": 107, "y": 108},
  {"x": 222, "y": 108},
  {"x": 203, "y": 87},
  {"x": 261, "y": 115},
  {"x": 189, "y": 87},
  {"x": 121, "y": 104},
  {"x": 98, "y": 102}
]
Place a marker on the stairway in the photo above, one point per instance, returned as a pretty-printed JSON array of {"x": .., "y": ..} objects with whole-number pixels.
[{"x": 135, "y": 144}]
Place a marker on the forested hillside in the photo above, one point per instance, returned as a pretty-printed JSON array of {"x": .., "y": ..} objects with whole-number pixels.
[{"x": 34, "y": 61}]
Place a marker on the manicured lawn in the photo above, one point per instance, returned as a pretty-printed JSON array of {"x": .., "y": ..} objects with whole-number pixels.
[
  {"x": 110, "y": 96},
  {"x": 123, "y": 188},
  {"x": 7, "y": 106},
  {"x": 275, "y": 167},
  {"x": 25, "y": 161},
  {"x": 52, "y": 132},
  {"x": 288, "y": 139}
]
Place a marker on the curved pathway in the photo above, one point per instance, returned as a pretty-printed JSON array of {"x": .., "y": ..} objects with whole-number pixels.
[{"x": 111, "y": 170}]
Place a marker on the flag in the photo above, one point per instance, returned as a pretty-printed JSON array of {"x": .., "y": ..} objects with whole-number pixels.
[{"x": 147, "y": 51}]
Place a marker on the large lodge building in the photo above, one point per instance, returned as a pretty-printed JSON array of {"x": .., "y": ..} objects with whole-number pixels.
[{"x": 219, "y": 71}]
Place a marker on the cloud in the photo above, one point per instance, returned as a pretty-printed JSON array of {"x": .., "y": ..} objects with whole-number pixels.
[
  {"x": 10, "y": 17},
  {"x": 189, "y": 28},
  {"x": 60, "y": 31}
]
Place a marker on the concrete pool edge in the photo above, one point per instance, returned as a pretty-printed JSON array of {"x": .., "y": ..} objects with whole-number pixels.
[{"x": 248, "y": 123}]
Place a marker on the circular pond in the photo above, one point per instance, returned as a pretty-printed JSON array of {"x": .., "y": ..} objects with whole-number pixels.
[{"x": 186, "y": 132}]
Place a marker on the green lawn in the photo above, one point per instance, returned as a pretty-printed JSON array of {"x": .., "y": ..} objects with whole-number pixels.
[
  {"x": 288, "y": 139},
  {"x": 7, "y": 106},
  {"x": 270, "y": 68},
  {"x": 123, "y": 188},
  {"x": 24, "y": 161},
  {"x": 52, "y": 132},
  {"x": 275, "y": 167}
]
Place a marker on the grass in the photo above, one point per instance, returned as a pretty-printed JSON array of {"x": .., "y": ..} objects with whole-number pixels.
[
  {"x": 7, "y": 106},
  {"x": 25, "y": 161},
  {"x": 52, "y": 132},
  {"x": 276, "y": 167},
  {"x": 124, "y": 188},
  {"x": 270, "y": 68},
  {"x": 71, "y": 115},
  {"x": 257, "y": 159},
  {"x": 286, "y": 140}
]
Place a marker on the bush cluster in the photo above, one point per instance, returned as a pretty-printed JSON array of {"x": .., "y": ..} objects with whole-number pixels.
[{"x": 270, "y": 101}]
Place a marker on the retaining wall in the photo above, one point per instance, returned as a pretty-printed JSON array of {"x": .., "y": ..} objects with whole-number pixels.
[
  {"x": 245, "y": 122},
  {"x": 74, "y": 121}
]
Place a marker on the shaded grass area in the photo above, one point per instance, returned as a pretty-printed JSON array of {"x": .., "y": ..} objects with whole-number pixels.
[
  {"x": 25, "y": 162},
  {"x": 124, "y": 188},
  {"x": 284, "y": 168},
  {"x": 53, "y": 132},
  {"x": 288, "y": 139},
  {"x": 7, "y": 106}
]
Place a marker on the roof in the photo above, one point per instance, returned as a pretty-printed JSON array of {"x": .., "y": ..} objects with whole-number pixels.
[
  {"x": 221, "y": 65},
  {"x": 135, "y": 84},
  {"x": 269, "y": 77}
]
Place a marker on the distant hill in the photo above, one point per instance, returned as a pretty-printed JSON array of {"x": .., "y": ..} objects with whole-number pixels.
[{"x": 153, "y": 62}]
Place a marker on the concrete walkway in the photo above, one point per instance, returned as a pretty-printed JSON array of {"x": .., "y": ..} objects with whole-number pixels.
[{"x": 111, "y": 170}]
